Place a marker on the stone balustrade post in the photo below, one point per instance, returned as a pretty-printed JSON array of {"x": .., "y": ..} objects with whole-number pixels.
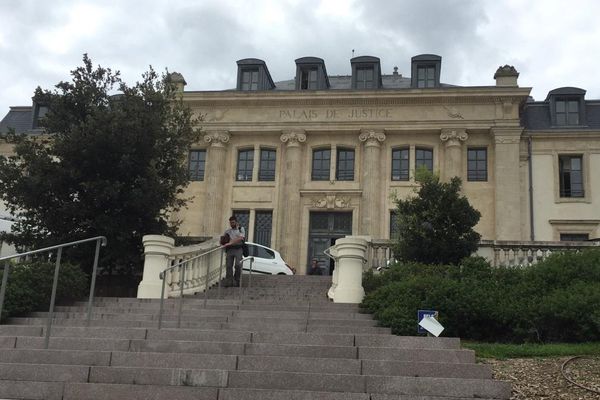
[
  {"x": 157, "y": 249},
  {"x": 351, "y": 254}
]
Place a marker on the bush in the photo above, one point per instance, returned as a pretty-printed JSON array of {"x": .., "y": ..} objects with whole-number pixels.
[
  {"x": 555, "y": 300},
  {"x": 29, "y": 287}
]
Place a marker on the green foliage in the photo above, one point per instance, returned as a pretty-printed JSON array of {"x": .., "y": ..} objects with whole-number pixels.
[
  {"x": 110, "y": 165},
  {"x": 436, "y": 227},
  {"x": 29, "y": 287},
  {"x": 504, "y": 350},
  {"x": 555, "y": 300}
]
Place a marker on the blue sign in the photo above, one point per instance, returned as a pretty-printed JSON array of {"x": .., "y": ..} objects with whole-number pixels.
[{"x": 422, "y": 314}]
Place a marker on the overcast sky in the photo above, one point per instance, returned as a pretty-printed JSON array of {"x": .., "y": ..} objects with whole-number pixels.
[{"x": 551, "y": 43}]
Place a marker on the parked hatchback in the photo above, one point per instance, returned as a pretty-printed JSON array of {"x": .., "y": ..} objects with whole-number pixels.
[{"x": 266, "y": 261}]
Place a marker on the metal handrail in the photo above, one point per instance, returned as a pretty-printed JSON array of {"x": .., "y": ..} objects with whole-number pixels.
[
  {"x": 241, "y": 292},
  {"x": 100, "y": 241},
  {"x": 180, "y": 264}
]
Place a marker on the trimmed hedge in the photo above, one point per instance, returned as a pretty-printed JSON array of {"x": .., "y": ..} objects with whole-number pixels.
[
  {"x": 557, "y": 299},
  {"x": 29, "y": 287}
]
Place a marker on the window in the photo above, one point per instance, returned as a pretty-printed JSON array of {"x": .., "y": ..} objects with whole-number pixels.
[
  {"x": 245, "y": 165},
  {"x": 394, "y": 225},
  {"x": 196, "y": 164},
  {"x": 345, "y": 165},
  {"x": 250, "y": 79},
  {"x": 364, "y": 78},
  {"x": 570, "y": 176},
  {"x": 261, "y": 252},
  {"x": 477, "y": 165},
  {"x": 320, "y": 165},
  {"x": 424, "y": 157},
  {"x": 400, "y": 164},
  {"x": 266, "y": 170},
  {"x": 426, "y": 76},
  {"x": 567, "y": 111},
  {"x": 574, "y": 237},
  {"x": 263, "y": 222},
  {"x": 308, "y": 79}
]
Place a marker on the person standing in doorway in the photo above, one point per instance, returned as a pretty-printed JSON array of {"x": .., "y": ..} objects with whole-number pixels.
[
  {"x": 315, "y": 269},
  {"x": 233, "y": 249}
]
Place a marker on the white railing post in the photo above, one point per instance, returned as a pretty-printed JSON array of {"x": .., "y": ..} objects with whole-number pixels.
[
  {"x": 351, "y": 255},
  {"x": 157, "y": 250}
]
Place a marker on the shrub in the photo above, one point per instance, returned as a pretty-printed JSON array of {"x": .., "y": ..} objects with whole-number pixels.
[
  {"x": 29, "y": 287},
  {"x": 555, "y": 300}
]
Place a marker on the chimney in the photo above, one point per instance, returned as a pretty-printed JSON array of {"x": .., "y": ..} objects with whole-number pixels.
[
  {"x": 178, "y": 81},
  {"x": 506, "y": 76}
]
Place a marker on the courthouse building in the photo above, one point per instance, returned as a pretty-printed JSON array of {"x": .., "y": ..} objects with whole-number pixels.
[{"x": 318, "y": 157}]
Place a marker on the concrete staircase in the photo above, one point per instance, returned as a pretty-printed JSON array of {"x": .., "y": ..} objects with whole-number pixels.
[{"x": 285, "y": 341}]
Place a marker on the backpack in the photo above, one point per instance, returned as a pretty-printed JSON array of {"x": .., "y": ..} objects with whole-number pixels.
[{"x": 245, "y": 250}]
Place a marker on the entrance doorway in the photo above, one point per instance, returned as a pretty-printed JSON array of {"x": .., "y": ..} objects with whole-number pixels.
[{"x": 324, "y": 229}]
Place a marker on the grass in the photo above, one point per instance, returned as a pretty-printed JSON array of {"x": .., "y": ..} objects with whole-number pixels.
[{"x": 504, "y": 351}]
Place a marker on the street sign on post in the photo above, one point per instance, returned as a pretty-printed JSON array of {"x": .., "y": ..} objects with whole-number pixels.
[{"x": 422, "y": 314}]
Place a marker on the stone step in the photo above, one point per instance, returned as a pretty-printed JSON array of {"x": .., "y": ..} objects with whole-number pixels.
[
  {"x": 370, "y": 384},
  {"x": 98, "y": 391}
]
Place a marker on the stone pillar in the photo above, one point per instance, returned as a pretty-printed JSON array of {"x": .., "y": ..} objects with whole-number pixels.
[
  {"x": 452, "y": 139},
  {"x": 290, "y": 205},
  {"x": 372, "y": 194},
  {"x": 157, "y": 249},
  {"x": 508, "y": 182},
  {"x": 215, "y": 178},
  {"x": 506, "y": 76},
  {"x": 351, "y": 254}
]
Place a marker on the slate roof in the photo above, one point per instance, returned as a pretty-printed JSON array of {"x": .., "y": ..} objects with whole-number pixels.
[
  {"x": 340, "y": 82},
  {"x": 19, "y": 118},
  {"x": 536, "y": 116}
]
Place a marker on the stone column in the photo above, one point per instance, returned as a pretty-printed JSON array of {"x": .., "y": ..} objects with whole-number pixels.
[
  {"x": 371, "y": 198},
  {"x": 506, "y": 171},
  {"x": 351, "y": 254},
  {"x": 290, "y": 206},
  {"x": 157, "y": 249},
  {"x": 452, "y": 139},
  {"x": 215, "y": 178}
]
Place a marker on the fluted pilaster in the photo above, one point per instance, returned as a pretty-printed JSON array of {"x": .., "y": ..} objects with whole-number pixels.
[
  {"x": 215, "y": 176},
  {"x": 372, "y": 195},
  {"x": 453, "y": 163}
]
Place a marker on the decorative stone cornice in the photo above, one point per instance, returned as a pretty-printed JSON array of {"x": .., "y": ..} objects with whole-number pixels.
[
  {"x": 453, "y": 137},
  {"x": 507, "y": 139},
  {"x": 293, "y": 137},
  {"x": 217, "y": 138},
  {"x": 507, "y": 135},
  {"x": 371, "y": 137}
]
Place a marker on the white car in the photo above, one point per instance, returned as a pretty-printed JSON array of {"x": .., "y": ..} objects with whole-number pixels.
[{"x": 266, "y": 261}]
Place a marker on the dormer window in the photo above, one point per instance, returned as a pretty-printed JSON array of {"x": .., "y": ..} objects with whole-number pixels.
[
  {"x": 39, "y": 111},
  {"x": 567, "y": 111},
  {"x": 311, "y": 74},
  {"x": 567, "y": 106},
  {"x": 425, "y": 70},
  {"x": 253, "y": 74},
  {"x": 249, "y": 79},
  {"x": 426, "y": 76},
  {"x": 308, "y": 79},
  {"x": 366, "y": 72}
]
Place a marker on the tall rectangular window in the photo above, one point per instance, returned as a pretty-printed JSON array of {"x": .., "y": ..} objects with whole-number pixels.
[
  {"x": 424, "y": 157},
  {"x": 196, "y": 164},
  {"x": 364, "y": 78},
  {"x": 394, "y": 225},
  {"x": 266, "y": 170},
  {"x": 345, "y": 165},
  {"x": 263, "y": 222},
  {"x": 321, "y": 164},
  {"x": 308, "y": 78},
  {"x": 426, "y": 76},
  {"x": 571, "y": 175},
  {"x": 250, "y": 79},
  {"x": 245, "y": 164},
  {"x": 477, "y": 165},
  {"x": 400, "y": 164},
  {"x": 567, "y": 112}
]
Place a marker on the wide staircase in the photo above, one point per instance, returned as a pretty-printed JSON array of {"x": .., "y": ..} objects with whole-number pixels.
[{"x": 279, "y": 339}]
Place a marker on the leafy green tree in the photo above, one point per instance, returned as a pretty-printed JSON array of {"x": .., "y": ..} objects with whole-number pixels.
[
  {"x": 111, "y": 162},
  {"x": 436, "y": 226}
]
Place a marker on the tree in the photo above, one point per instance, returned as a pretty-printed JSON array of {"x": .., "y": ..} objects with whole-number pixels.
[
  {"x": 109, "y": 164},
  {"x": 436, "y": 226}
]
